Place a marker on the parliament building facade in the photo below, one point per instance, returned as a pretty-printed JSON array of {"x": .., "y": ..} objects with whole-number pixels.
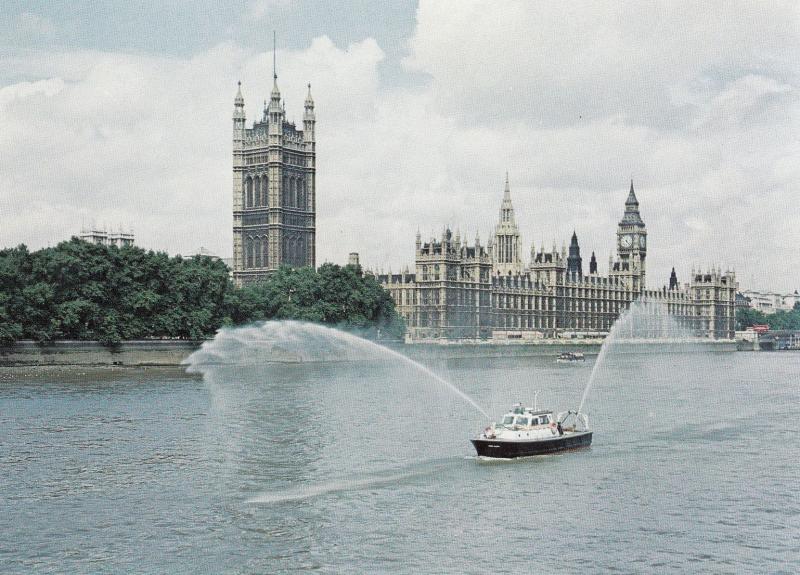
[{"x": 468, "y": 291}]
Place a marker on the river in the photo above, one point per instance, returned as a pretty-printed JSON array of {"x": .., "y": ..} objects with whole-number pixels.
[{"x": 366, "y": 467}]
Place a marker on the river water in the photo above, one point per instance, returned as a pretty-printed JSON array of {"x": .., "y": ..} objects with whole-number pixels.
[{"x": 366, "y": 467}]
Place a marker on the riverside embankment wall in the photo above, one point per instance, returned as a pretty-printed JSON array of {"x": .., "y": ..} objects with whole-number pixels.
[
  {"x": 173, "y": 352},
  {"x": 146, "y": 352}
]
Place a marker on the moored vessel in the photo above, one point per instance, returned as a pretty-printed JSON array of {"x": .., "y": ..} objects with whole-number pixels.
[
  {"x": 526, "y": 431},
  {"x": 569, "y": 357}
]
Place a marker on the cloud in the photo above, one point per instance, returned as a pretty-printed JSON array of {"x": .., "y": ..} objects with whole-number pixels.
[{"x": 573, "y": 100}]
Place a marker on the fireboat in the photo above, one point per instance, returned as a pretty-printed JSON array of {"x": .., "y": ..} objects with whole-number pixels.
[{"x": 525, "y": 431}]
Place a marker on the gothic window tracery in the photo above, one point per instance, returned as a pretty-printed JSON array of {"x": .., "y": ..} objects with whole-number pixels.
[
  {"x": 249, "y": 192},
  {"x": 264, "y": 190},
  {"x": 257, "y": 191},
  {"x": 258, "y": 252},
  {"x": 248, "y": 247}
]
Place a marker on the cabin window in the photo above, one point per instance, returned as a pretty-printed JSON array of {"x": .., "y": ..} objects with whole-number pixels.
[
  {"x": 522, "y": 421},
  {"x": 508, "y": 420}
]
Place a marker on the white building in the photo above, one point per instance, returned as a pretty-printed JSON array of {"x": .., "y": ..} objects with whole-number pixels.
[
  {"x": 106, "y": 238},
  {"x": 770, "y": 302}
]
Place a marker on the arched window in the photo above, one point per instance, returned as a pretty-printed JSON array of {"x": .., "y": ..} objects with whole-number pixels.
[
  {"x": 301, "y": 251},
  {"x": 264, "y": 189},
  {"x": 249, "y": 195},
  {"x": 292, "y": 193},
  {"x": 264, "y": 252},
  {"x": 257, "y": 192},
  {"x": 301, "y": 194},
  {"x": 248, "y": 248},
  {"x": 285, "y": 194},
  {"x": 257, "y": 251}
]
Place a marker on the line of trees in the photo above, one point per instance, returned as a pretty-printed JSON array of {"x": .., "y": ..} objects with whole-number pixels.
[
  {"x": 748, "y": 317},
  {"x": 84, "y": 291}
]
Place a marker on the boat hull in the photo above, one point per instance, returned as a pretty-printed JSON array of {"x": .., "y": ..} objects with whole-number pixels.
[{"x": 510, "y": 449}]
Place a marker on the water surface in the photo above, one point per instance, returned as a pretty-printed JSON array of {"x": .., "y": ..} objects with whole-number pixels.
[{"x": 365, "y": 467}]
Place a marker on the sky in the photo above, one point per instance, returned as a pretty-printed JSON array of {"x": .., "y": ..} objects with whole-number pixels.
[{"x": 119, "y": 115}]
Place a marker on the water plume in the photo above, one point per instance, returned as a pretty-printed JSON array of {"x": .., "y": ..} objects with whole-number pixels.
[
  {"x": 299, "y": 342},
  {"x": 644, "y": 326}
]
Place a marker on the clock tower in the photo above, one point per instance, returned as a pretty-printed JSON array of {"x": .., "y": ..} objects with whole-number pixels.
[{"x": 632, "y": 242}]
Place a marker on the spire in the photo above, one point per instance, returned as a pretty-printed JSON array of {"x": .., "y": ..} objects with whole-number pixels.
[
  {"x": 309, "y": 99},
  {"x": 593, "y": 265},
  {"x": 275, "y": 96},
  {"x": 238, "y": 106},
  {"x": 632, "y": 216},
  {"x": 274, "y": 60},
  {"x": 574, "y": 261},
  {"x": 673, "y": 280},
  {"x": 632, "y": 201}
]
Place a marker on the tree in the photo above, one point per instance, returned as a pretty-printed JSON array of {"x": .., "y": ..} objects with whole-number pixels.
[
  {"x": 333, "y": 295},
  {"x": 748, "y": 317},
  {"x": 84, "y": 291}
]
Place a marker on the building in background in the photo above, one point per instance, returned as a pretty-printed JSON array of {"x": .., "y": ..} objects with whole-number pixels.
[
  {"x": 106, "y": 238},
  {"x": 462, "y": 290},
  {"x": 770, "y": 302},
  {"x": 274, "y": 201}
]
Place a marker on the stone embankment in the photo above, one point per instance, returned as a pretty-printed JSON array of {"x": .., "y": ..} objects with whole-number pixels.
[
  {"x": 132, "y": 353},
  {"x": 173, "y": 352}
]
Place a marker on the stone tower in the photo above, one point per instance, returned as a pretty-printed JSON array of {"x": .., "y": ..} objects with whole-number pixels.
[
  {"x": 274, "y": 190},
  {"x": 505, "y": 248},
  {"x": 632, "y": 243}
]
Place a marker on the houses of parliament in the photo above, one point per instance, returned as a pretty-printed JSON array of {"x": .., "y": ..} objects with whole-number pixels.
[
  {"x": 462, "y": 290},
  {"x": 458, "y": 290}
]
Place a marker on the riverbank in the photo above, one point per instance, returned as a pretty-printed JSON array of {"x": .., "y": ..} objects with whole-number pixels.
[{"x": 173, "y": 352}]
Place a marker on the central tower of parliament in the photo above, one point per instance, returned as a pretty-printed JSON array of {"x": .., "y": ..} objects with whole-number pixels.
[{"x": 274, "y": 189}]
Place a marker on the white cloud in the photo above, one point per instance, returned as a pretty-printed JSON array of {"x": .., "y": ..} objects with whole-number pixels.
[{"x": 572, "y": 100}]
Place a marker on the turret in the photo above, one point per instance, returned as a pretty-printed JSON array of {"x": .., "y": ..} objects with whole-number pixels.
[
  {"x": 309, "y": 119},
  {"x": 238, "y": 117},
  {"x": 593, "y": 265},
  {"x": 673, "y": 280}
]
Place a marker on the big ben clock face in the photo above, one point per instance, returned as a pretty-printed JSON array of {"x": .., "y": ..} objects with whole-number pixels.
[
  {"x": 642, "y": 241},
  {"x": 626, "y": 241}
]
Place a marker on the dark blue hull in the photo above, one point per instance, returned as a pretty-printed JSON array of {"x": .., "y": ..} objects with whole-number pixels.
[{"x": 510, "y": 449}]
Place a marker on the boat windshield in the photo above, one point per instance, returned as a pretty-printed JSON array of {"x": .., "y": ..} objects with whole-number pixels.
[
  {"x": 522, "y": 421},
  {"x": 508, "y": 420}
]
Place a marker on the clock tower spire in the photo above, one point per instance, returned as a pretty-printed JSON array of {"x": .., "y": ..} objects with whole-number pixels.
[{"x": 632, "y": 241}]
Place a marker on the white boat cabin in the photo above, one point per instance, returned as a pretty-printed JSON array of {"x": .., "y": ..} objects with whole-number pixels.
[
  {"x": 523, "y": 423},
  {"x": 520, "y": 417}
]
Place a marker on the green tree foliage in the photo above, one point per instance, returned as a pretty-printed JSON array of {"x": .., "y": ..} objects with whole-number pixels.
[
  {"x": 334, "y": 295},
  {"x": 747, "y": 317},
  {"x": 79, "y": 290},
  {"x": 83, "y": 291}
]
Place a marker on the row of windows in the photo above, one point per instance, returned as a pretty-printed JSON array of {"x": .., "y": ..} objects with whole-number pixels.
[
  {"x": 256, "y": 252},
  {"x": 432, "y": 273},
  {"x": 256, "y": 192}
]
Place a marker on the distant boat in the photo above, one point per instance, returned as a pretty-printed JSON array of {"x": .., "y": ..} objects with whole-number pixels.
[
  {"x": 524, "y": 431},
  {"x": 569, "y": 357}
]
